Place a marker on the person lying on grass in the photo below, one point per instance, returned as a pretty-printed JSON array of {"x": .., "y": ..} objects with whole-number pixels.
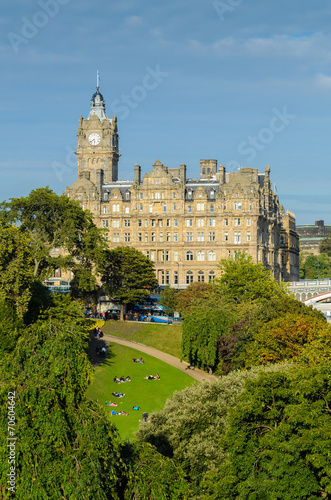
[
  {"x": 151, "y": 377},
  {"x": 118, "y": 394},
  {"x": 108, "y": 403}
]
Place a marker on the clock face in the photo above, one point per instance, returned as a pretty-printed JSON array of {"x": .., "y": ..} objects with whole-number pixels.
[{"x": 94, "y": 139}]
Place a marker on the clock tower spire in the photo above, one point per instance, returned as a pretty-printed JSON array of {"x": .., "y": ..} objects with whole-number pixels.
[{"x": 97, "y": 143}]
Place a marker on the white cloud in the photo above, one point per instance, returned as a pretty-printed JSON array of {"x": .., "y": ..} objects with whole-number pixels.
[{"x": 323, "y": 81}]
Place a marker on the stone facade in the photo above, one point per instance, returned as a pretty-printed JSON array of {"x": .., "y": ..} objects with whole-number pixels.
[
  {"x": 311, "y": 235},
  {"x": 184, "y": 225}
]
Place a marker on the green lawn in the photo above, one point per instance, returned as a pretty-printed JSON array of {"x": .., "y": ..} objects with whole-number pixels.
[
  {"x": 150, "y": 395},
  {"x": 167, "y": 338}
]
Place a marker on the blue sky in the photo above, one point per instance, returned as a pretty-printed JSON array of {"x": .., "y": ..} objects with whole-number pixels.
[{"x": 247, "y": 82}]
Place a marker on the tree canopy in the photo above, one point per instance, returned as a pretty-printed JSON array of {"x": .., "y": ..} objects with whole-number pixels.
[
  {"x": 168, "y": 300},
  {"x": 127, "y": 275},
  {"x": 60, "y": 234}
]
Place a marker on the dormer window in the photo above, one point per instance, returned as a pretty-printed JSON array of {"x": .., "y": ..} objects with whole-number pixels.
[
  {"x": 127, "y": 195},
  {"x": 212, "y": 193},
  {"x": 189, "y": 194}
]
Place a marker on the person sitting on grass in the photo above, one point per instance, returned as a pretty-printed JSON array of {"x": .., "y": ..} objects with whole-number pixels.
[
  {"x": 117, "y": 380},
  {"x": 134, "y": 360},
  {"x": 122, "y": 379},
  {"x": 136, "y": 408},
  {"x": 122, "y": 413},
  {"x": 114, "y": 412},
  {"x": 157, "y": 377},
  {"x": 128, "y": 379},
  {"x": 149, "y": 377}
]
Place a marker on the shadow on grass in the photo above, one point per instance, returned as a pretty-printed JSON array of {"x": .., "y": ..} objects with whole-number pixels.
[{"x": 95, "y": 346}]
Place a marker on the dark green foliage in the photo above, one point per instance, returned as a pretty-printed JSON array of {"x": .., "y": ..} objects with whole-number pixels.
[
  {"x": 278, "y": 439},
  {"x": 315, "y": 267},
  {"x": 202, "y": 328},
  {"x": 66, "y": 447},
  {"x": 10, "y": 327},
  {"x": 153, "y": 476},
  {"x": 54, "y": 222},
  {"x": 168, "y": 300},
  {"x": 127, "y": 275},
  {"x": 325, "y": 245}
]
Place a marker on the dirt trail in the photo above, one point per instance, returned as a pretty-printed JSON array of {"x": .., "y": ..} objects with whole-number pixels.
[{"x": 167, "y": 358}]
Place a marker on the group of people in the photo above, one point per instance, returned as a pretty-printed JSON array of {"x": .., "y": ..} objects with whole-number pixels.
[
  {"x": 139, "y": 360},
  {"x": 151, "y": 377},
  {"x": 114, "y": 412},
  {"x": 122, "y": 379}
]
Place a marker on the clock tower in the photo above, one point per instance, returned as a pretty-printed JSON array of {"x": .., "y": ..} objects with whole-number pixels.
[{"x": 97, "y": 144}]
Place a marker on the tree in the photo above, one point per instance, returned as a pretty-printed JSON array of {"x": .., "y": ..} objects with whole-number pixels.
[
  {"x": 127, "y": 276},
  {"x": 325, "y": 245},
  {"x": 189, "y": 428},
  {"x": 53, "y": 222},
  {"x": 315, "y": 267},
  {"x": 154, "y": 476},
  {"x": 66, "y": 446},
  {"x": 194, "y": 291},
  {"x": 283, "y": 338},
  {"x": 168, "y": 300},
  {"x": 15, "y": 269},
  {"x": 243, "y": 280},
  {"x": 202, "y": 328},
  {"x": 278, "y": 439}
]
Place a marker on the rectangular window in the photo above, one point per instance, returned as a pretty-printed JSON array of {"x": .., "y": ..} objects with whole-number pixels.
[
  {"x": 146, "y": 223},
  {"x": 167, "y": 277},
  {"x": 237, "y": 222},
  {"x": 176, "y": 255},
  {"x": 127, "y": 210},
  {"x": 150, "y": 208},
  {"x": 226, "y": 236},
  {"x": 116, "y": 237},
  {"x": 160, "y": 221},
  {"x": 139, "y": 237},
  {"x": 175, "y": 236},
  {"x": 104, "y": 210},
  {"x": 200, "y": 222},
  {"x": 174, "y": 196},
  {"x": 168, "y": 222},
  {"x": 175, "y": 277},
  {"x": 127, "y": 237},
  {"x": 141, "y": 207},
  {"x": 189, "y": 279},
  {"x": 211, "y": 222},
  {"x": 248, "y": 236},
  {"x": 167, "y": 255},
  {"x": 189, "y": 222},
  {"x": 248, "y": 222},
  {"x": 175, "y": 223},
  {"x": 201, "y": 236},
  {"x": 237, "y": 238},
  {"x": 116, "y": 223},
  {"x": 161, "y": 236},
  {"x": 157, "y": 196},
  {"x": 153, "y": 236},
  {"x": 211, "y": 235},
  {"x": 165, "y": 208},
  {"x": 105, "y": 223},
  {"x": 168, "y": 237},
  {"x": 200, "y": 206},
  {"x": 153, "y": 222},
  {"x": 127, "y": 222},
  {"x": 189, "y": 209},
  {"x": 152, "y": 255},
  {"x": 174, "y": 207},
  {"x": 141, "y": 196},
  {"x": 226, "y": 222},
  {"x": 189, "y": 236},
  {"x": 146, "y": 237},
  {"x": 212, "y": 208},
  {"x": 140, "y": 223}
]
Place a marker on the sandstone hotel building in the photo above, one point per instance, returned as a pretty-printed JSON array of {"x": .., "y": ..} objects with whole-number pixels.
[{"x": 185, "y": 226}]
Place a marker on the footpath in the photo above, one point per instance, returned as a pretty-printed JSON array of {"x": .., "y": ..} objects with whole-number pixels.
[{"x": 183, "y": 366}]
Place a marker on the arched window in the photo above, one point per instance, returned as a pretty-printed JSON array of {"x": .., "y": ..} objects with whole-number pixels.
[
  {"x": 201, "y": 255},
  {"x": 189, "y": 194},
  {"x": 201, "y": 276},
  {"x": 211, "y": 275},
  {"x": 189, "y": 255},
  {"x": 211, "y": 255},
  {"x": 212, "y": 193}
]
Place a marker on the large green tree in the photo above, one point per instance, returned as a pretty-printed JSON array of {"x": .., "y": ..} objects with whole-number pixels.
[
  {"x": 190, "y": 427},
  {"x": 66, "y": 447},
  {"x": 16, "y": 275},
  {"x": 127, "y": 275},
  {"x": 243, "y": 280},
  {"x": 169, "y": 300},
  {"x": 60, "y": 234},
  {"x": 278, "y": 439}
]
